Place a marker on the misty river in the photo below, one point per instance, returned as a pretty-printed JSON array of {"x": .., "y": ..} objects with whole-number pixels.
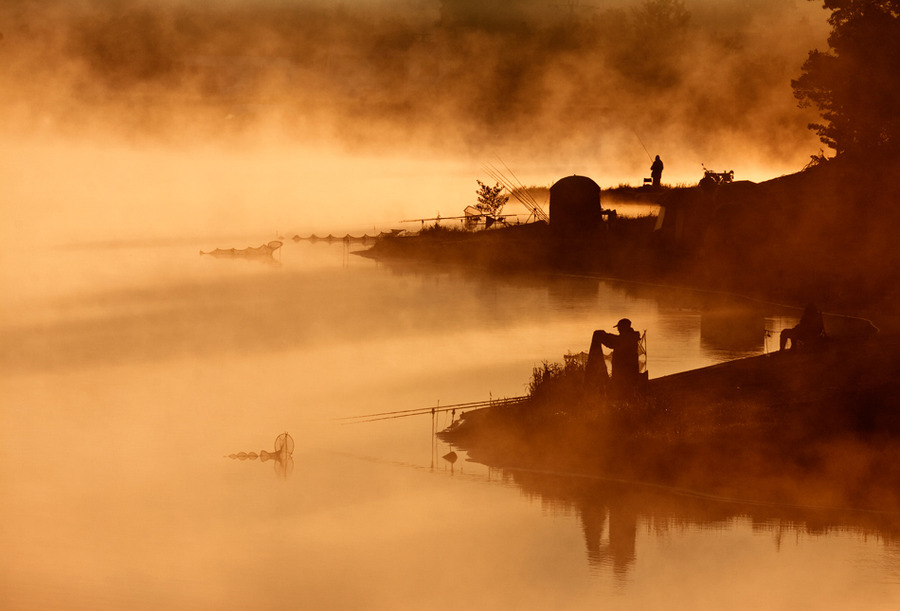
[{"x": 132, "y": 372}]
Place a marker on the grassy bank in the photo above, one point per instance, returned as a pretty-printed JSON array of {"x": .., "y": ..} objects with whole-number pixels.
[
  {"x": 819, "y": 427},
  {"x": 826, "y": 234}
]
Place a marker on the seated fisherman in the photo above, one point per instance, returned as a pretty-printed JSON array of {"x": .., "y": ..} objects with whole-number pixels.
[{"x": 810, "y": 328}]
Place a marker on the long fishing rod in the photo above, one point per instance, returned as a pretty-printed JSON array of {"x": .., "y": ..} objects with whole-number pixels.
[
  {"x": 438, "y": 408},
  {"x": 513, "y": 174},
  {"x": 450, "y": 218},
  {"x": 520, "y": 192},
  {"x": 642, "y": 144},
  {"x": 394, "y": 417},
  {"x": 424, "y": 411},
  {"x": 501, "y": 179},
  {"x": 521, "y": 185},
  {"x": 536, "y": 209},
  {"x": 506, "y": 184}
]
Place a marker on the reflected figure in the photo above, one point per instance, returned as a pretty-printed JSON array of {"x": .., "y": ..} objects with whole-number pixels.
[
  {"x": 282, "y": 455},
  {"x": 611, "y": 512},
  {"x": 656, "y": 172},
  {"x": 618, "y": 553},
  {"x": 809, "y": 329}
]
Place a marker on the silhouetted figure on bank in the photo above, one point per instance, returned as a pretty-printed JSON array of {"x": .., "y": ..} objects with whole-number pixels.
[
  {"x": 810, "y": 328},
  {"x": 656, "y": 172},
  {"x": 625, "y": 367}
]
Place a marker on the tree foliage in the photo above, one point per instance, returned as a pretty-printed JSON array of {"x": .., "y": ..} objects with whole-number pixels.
[
  {"x": 646, "y": 48},
  {"x": 490, "y": 199},
  {"x": 855, "y": 84},
  {"x": 662, "y": 16}
]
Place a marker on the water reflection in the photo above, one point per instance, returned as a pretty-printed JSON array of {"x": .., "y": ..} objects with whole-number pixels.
[
  {"x": 612, "y": 513},
  {"x": 732, "y": 329},
  {"x": 615, "y": 548},
  {"x": 568, "y": 292},
  {"x": 451, "y": 458},
  {"x": 217, "y": 307},
  {"x": 282, "y": 455},
  {"x": 728, "y": 326}
]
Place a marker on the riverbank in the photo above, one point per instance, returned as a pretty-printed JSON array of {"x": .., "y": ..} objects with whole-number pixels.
[
  {"x": 825, "y": 234},
  {"x": 818, "y": 428}
]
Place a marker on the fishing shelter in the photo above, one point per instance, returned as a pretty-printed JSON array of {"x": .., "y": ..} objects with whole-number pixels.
[{"x": 575, "y": 209}]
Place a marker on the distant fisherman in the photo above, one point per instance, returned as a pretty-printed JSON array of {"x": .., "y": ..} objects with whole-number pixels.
[{"x": 656, "y": 172}]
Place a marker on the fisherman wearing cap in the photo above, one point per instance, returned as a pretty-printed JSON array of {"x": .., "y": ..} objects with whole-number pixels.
[{"x": 625, "y": 367}]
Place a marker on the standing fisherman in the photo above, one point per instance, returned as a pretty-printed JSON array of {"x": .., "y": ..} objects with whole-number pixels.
[
  {"x": 625, "y": 365},
  {"x": 656, "y": 172}
]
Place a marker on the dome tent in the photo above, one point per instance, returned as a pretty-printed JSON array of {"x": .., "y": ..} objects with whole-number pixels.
[{"x": 575, "y": 208}]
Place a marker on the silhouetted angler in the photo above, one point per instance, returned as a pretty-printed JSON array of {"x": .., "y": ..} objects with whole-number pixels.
[
  {"x": 625, "y": 350},
  {"x": 810, "y": 328},
  {"x": 625, "y": 365},
  {"x": 656, "y": 171}
]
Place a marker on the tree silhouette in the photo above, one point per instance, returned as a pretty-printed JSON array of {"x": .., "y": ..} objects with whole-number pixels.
[
  {"x": 490, "y": 199},
  {"x": 855, "y": 85}
]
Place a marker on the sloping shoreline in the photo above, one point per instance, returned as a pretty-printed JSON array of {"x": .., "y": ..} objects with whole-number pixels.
[
  {"x": 819, "y": 427},
  {"x": 825, "y": 234}
]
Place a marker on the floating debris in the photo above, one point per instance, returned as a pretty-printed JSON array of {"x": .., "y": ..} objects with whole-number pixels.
[
  {"x": 266, "y": 250},
  {"x": 348, "y": 238},
  {"x": 283, "y": 454},
  {"x": 244, "y": 455}
]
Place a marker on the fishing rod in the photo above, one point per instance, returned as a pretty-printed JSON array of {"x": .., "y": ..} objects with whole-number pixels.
[
  {"x": 521, "y": 188},
  {"x": 519, "y": 191},
  {"x": 448, "y": 218},
  {"x": 642, "y": 144},
  {"x": 423, "y": 411}
]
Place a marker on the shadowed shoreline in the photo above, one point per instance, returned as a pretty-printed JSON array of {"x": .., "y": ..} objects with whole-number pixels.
[
  {"x": 825, "y": 234},
  {"x": 819, "y": 428}
]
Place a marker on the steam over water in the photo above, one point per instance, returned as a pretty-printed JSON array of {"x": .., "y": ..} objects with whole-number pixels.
[
  {"x": 131, "y": 371},
  {"x": 172, "y": 118},
  {"x": 135, "y": 134}
]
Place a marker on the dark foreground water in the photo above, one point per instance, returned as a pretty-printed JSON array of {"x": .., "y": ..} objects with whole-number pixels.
[{"x": 130, "y": 372}]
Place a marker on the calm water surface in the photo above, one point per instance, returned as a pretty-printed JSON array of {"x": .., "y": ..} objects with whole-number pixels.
[{"x": 130, "y": 372}]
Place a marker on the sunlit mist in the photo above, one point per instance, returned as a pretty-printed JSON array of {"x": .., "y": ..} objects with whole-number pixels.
[
  {"x": 276, "y": 115},
  {"x": 215, "y": 396}
]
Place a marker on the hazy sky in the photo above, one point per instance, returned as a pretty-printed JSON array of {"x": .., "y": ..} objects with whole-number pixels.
[{"x": 267, "y": 112}]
